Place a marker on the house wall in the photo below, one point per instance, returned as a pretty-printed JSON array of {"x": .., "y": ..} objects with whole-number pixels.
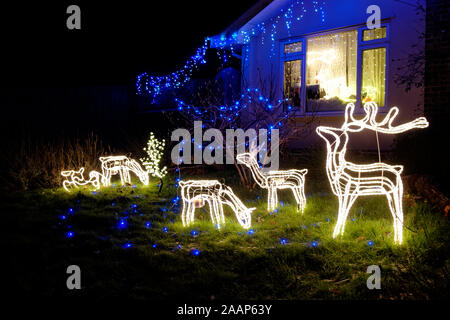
[
  {"x": 261, "y": 59},
  {"x": 437, "y": 80}
]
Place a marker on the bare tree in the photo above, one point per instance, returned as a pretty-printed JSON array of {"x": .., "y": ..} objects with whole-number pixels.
[{"x": 253, "y": 108}]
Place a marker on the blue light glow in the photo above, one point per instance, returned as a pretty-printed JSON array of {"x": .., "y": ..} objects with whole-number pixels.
[
  {"x": 69, "y": 234},
  {"x": 127, "y": 245},
  {"x": 122, "y": 224}
]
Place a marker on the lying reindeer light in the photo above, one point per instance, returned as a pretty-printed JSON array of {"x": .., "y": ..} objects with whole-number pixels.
[
  {"x": 349, "y": 180},
  {"x": 122, "y": 165},
  {"x": 195, "y": 193},
  {"x": 77, "y": 179},
  {"x": 273, "y": 180}
]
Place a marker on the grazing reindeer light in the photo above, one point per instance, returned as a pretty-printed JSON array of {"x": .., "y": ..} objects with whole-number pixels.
[
  {"x": 123, "y": 165},
  {"x": 196, "y": 192},
  {"x": 77, "y": 179},
  {"x": 276, "y": 179},
  {"x": 349, "y": 180}
]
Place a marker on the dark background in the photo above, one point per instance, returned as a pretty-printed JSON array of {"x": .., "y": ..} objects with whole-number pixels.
[
  {"x": 116, "y": 42},
  {"x": 59, "y": 84}
]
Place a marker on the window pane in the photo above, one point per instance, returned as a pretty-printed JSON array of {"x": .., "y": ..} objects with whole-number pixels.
[
  {"x": 292, "y": 82},
  {"x": 293, "y": 47},
  {"x": 373, "y": 76},
  {"x": 331, "y": 71},
  {"x": 373, "y": 34}
]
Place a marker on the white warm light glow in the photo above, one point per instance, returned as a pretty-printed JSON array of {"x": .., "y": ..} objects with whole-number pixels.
[
  {"x": 324, "y": 56},
  {"x": 77, "y": 179},
  {"x": 276, "y": 179},
  {"x": 123, "y": 165},
  {"x": 349, "y": 180},
  {"x": 195, "y": 193},
  {"x": 155, "y": 150}
]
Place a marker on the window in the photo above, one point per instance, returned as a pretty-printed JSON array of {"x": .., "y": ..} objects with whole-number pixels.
[
  {"x": 293, "y": 47},
  {"x": 325, "y": 72},
  {"x": 373, "y": 34},
  {"x": 373, "y": 77},
  {"x": 331, "y": 71},
  {"x": 292, "y": 82}
]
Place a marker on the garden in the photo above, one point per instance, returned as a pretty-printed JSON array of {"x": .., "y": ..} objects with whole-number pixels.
[{"x": 129, "y": 241}]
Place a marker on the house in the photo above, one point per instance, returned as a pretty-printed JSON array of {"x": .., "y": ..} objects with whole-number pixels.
[{"x": 319, "y": 55}]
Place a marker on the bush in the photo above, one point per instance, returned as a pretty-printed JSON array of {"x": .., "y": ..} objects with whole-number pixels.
[{"x": 33, "y": 165}]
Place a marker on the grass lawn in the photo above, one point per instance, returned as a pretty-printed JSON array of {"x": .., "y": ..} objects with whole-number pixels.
[{"x": 129, "y": 242}]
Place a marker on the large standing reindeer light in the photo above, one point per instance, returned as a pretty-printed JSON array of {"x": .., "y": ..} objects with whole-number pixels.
[
  {"x": 349, "y": 180},
  {"x": 276, "y": 179},
  {"x": 195, "y": 193}
]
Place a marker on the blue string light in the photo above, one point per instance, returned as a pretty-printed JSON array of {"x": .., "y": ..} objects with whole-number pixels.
[{"x": 156, "y": 85}]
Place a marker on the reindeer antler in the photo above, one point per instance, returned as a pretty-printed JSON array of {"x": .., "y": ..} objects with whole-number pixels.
[
  {"x": 254, "y": 150},
  {"x": 384, "y": 126}
]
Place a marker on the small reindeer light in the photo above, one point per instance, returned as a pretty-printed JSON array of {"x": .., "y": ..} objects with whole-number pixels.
[
  {"x": 123, "y": 165},
  {"x": 349, "y": 180},
  {"x": 77, "y": 179},
  {"x": 276, "y": 179},
  {"x": 195, "y": 193}
]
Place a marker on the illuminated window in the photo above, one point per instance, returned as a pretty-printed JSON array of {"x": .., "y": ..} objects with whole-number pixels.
[
  {"x": 331, "y": 71},
  {"x": 373, "y": 34},
  {"x": 292, "y": 82},
  {"x": 293, "y": 47},
  {"x": 373, "y": 76}
]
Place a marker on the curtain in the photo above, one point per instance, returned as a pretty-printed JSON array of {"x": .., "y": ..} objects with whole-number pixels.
[
  {"x": 373, "y": 76},
  {"x": 331, "y": 71}
]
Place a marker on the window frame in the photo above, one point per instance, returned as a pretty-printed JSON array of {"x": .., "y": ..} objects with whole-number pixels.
[
  {"x": 285, "y": 57},
  {"x": 361, "y": 46},
  {"x": 367, "y": 45}
]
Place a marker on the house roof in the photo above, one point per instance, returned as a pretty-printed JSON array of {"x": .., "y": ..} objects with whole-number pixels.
[
  {"x": 247, "y": 16},
  {"x": 235, "y": 33}
]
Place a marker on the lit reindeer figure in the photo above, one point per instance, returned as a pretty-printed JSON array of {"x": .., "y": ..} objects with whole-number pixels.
[
  {"x": 349, "y": 180},
  {"x": 195, "y": 193},
  {"x": 276, "y": 179},
  {"x": 77, "y": 179},
  {"x": 123, "y": 165}
]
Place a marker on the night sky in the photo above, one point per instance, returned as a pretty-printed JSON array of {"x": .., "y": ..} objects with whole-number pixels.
[{"x": 117, "y": 41}]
